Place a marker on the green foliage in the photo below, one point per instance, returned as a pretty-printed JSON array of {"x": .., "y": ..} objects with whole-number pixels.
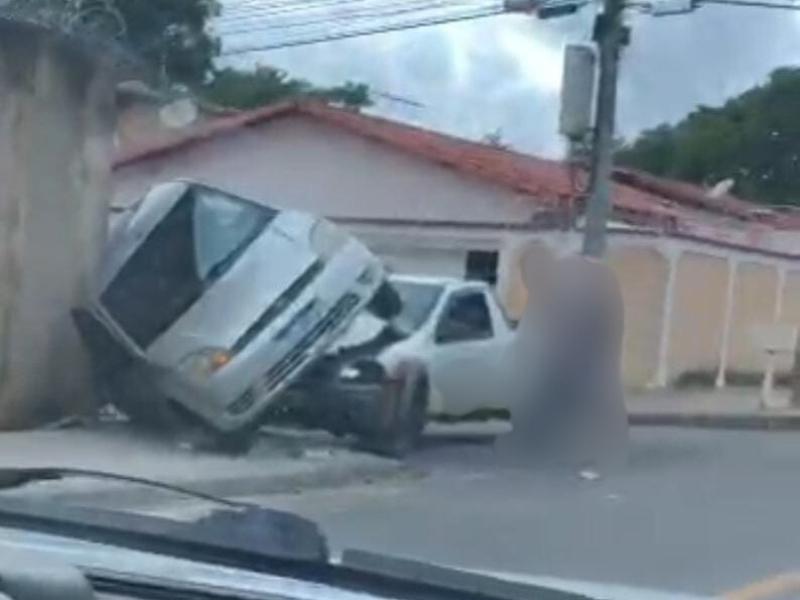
[
  {"x": 171, "y": 37},
  {"x": 495, "y": 138},
  {"x": 753, "y": 138},
  {"x": 250, "y": 89}
]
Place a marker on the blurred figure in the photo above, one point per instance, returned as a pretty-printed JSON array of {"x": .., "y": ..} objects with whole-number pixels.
[{"x": 569, "y": 408}]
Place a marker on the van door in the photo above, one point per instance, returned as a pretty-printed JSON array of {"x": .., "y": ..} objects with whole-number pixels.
[{"x": 459, "y": 362}]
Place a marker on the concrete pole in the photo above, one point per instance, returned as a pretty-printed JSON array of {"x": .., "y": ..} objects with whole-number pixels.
[
  {"x": 609, "y": 37},
  {"x": 727, "y": 318},
  {"x": 672, "y": 255},
  {"x": 56, "y": 123}
]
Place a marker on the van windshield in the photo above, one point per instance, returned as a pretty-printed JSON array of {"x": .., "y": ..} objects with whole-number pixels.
[{"x": 196, "y": 242}]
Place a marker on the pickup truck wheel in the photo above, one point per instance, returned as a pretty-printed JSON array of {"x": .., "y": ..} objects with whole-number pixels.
[{"x": 409, "y": 420}]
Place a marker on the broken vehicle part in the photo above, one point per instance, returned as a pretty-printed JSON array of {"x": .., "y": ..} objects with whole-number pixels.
[
  {"x": 440, "y": 355},
  {"x": 214, "y": 304}
]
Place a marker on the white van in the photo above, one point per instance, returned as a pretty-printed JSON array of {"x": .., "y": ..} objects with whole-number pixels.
[{"x": 210, "y": 304}]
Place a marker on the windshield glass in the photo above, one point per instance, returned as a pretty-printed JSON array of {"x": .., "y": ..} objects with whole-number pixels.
[
  {"x": 194, "y": 244},
  {"x": 418, "y": 300},
  {"x": 527, "y": 301}
]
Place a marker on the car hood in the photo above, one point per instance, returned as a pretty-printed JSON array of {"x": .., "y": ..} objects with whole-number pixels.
[{"x": 107, "y": 560}]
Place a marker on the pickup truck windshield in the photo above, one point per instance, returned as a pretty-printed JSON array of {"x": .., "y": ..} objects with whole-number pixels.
[
  {"x": 418, "y": 302},
  {"x": 194, "y": 244}
]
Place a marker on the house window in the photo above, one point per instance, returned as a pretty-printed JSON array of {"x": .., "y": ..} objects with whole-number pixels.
[{"x": 482, "y": 266}]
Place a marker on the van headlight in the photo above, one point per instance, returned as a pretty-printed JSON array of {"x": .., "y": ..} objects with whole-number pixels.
[
  {"x": 205, "y": 362},
  {"x": 327, "y": 239},
  {"x": 349, "y": 373}
]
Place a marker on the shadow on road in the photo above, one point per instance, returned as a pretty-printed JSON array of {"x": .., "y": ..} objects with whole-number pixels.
[{"x": 430, "y": 441}]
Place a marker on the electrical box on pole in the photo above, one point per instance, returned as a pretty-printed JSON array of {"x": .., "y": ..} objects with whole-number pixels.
[{"x": 577, "y": 91}]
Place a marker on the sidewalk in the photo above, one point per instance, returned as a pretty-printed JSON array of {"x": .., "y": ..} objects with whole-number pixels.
[
  {"x": 280, "y": 462},
  {"x": 733, "y": 408}
]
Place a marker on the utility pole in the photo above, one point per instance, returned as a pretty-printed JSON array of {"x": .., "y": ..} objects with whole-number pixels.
[{"x": 610, "y": 36}]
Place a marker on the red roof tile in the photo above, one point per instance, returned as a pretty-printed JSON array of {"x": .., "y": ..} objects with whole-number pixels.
[
  {"x": 548, "y": 182},
  {"x": 687, "y": 194}
]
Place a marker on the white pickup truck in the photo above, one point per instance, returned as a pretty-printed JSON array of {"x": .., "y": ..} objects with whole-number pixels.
[{"x": 442, "y": 355}]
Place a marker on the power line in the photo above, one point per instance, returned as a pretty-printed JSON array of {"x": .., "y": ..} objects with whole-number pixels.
[
  {"x": 322, "y": 7},
  {"x": 287, "y": 8},
  {"x": 311, "y": 6},
  {"x": 365, "y": 32},
  {"x": 426, "y": 7}
]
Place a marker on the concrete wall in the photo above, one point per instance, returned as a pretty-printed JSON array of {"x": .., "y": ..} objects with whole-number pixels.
[
  {"x": 424, "y": 261},
  {"x": 55, "y": 126},
  {"x": 698, "y": 313},
  {"x": 642, "y": 273},
  {"x": 680, "y": 324},
  {"x": 754, "y": 296},
  {"x": 790, "y": 310}
]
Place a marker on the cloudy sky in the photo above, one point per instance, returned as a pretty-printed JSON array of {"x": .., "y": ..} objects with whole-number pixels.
[{"x": 504, "y": 72}]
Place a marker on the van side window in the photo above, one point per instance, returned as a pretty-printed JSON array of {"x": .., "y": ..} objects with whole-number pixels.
[{"x": 466, "y": 317}]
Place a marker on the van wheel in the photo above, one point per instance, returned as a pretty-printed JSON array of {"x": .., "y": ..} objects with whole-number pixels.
[
  {"x": 234, "y": 443},
  {"x": 155, "y": 415},
  {"x": 410, "y": 418},
  {"x": 200, "y": 436}
]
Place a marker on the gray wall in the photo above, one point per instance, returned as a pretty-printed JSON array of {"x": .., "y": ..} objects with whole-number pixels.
[{"x": 55, "y": 126}]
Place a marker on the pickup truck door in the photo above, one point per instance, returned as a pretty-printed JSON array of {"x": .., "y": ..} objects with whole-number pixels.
[{"x": 460, "y": 360}]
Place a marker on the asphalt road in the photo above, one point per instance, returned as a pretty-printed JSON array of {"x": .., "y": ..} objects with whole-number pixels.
[{"x": 697, "y": 511}]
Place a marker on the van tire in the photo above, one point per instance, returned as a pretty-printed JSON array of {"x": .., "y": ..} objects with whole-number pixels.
[
  {"x": 232, "y": 443},
  {"x": 403, "y": 434},
  {"x": 236, "y": 443},
  {"x": 155, "y": 415}
]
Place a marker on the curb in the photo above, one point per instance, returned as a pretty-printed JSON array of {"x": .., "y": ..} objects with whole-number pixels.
[
  {"x": 325, "y": 475},
  {"x": 770, "y": 422}
]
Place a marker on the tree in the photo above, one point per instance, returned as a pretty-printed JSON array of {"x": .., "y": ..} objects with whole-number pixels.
[
  {"x": 168, "y": 36},
  {"x": 754, "y": 139},
  {"x": 172, "y": 39},
  {"x": 495, "y": 138},
  {"x": 172, "y": 36},
  {"x": 249, "y": 89}
]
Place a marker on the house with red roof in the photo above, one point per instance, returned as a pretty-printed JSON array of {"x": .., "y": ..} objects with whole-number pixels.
[{"x": 700, "y": 271}]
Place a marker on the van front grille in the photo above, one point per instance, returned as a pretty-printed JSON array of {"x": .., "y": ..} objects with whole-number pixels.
[
  {"x": 292, "y": 360},
  {"x": 297, "y": 355}
]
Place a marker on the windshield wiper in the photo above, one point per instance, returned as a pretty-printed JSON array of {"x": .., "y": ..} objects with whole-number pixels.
[
  {"x": 14, "y": 477},
  {"x": 240, "y": 534}
]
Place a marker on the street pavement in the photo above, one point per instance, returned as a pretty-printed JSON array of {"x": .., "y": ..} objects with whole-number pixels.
[
  {"x": 281, "y": 461},
  {"x": 696, "y": 511}
]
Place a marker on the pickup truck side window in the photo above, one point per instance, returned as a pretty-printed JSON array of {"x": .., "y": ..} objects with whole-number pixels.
[{"x": 466, "y": 317}]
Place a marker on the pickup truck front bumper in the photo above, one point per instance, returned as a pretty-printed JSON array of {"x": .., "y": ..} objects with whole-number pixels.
[{"x": 343, "y": 407}]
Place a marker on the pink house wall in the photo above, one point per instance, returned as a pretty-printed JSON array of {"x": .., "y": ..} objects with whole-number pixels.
[{"x": 297, "y": 162}]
